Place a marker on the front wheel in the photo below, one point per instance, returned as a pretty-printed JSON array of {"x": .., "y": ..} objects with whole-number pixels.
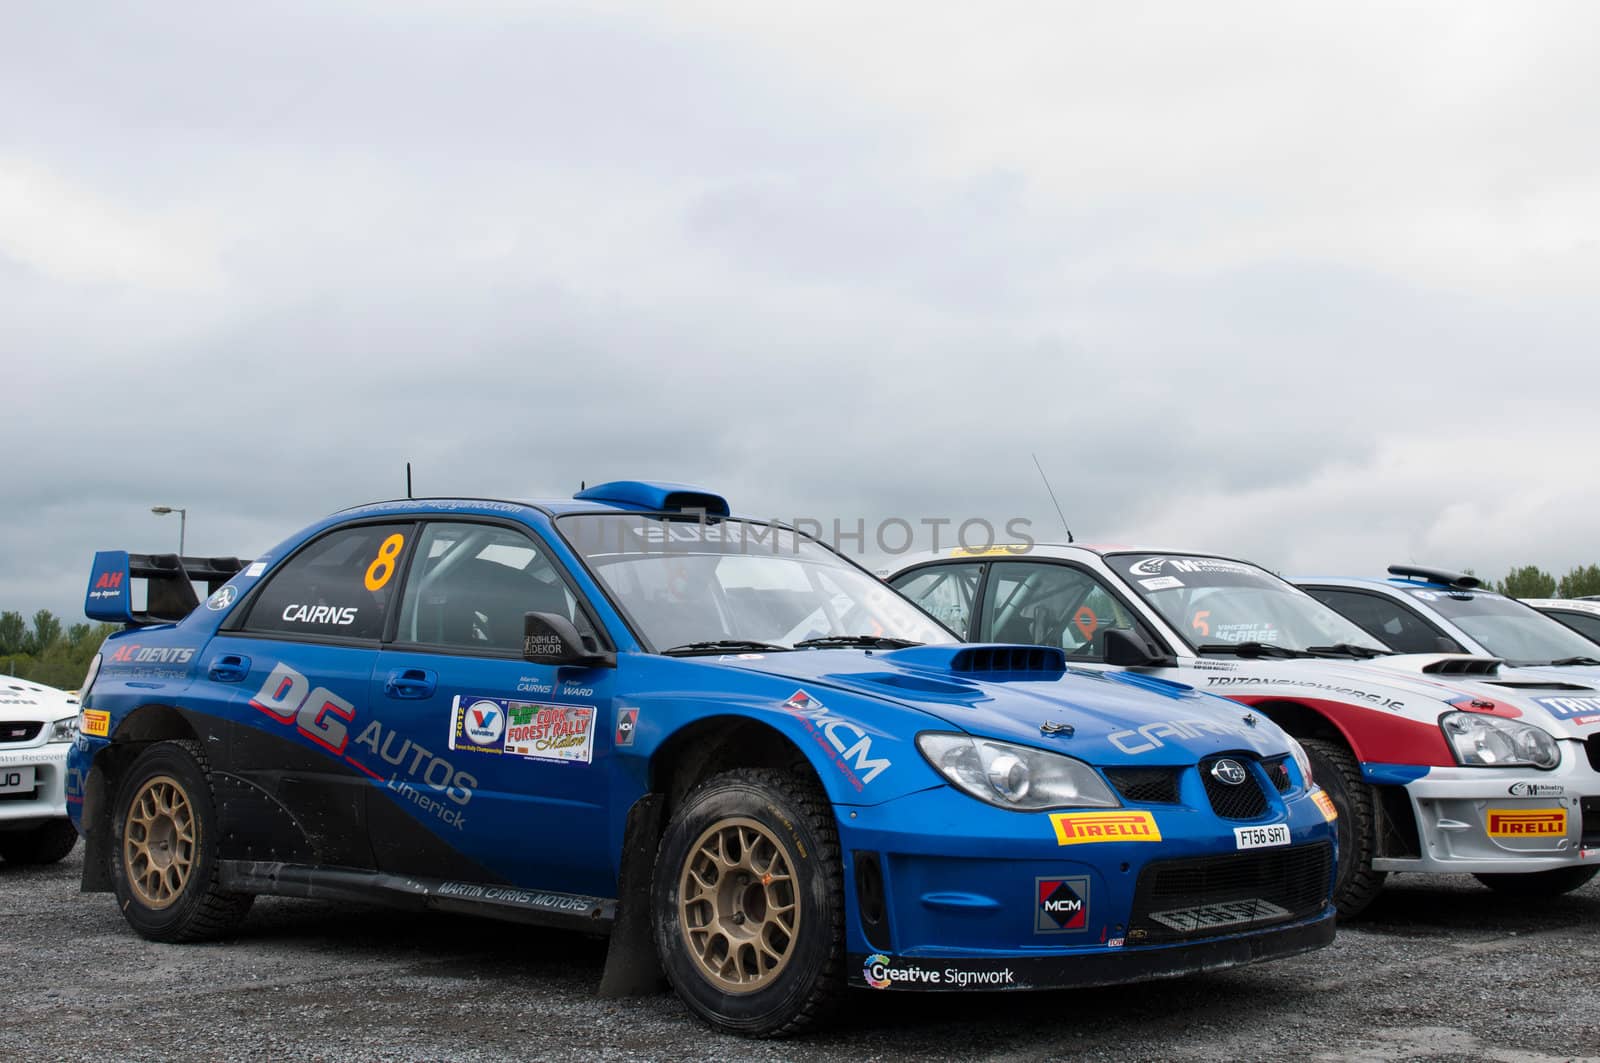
[
  {"x": 748, "y": 903},
  {"x": 48, "y": 843},
  {"x": 1337, "y": 771},
  {"x": 1536, "y": 884},
  {"x": 164, "y": 856}
]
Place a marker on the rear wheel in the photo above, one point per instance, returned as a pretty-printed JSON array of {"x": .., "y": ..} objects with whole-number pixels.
[
  {"x": 164, "y": 852},
  {"x": 47, "y": 843},
  {"x": 1337, "y": 771},
  {"x": 748, "y": 903},
  {"x": 1551, "y": 883}
]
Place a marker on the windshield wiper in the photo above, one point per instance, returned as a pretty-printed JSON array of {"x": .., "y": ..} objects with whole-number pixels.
[
  {"x": 1574, "y": 660},
  {"x": 869, "y": 641},
  {"x": 1250, "y": 649},
  {"x": 716, "y": 645},
  {"x": 1349, "y": 649}
]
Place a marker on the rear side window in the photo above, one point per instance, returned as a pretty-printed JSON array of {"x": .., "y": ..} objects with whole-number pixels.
[
  {"x": 1583, "y": 623},
  {"x": 339, "y": 586},
  {"x": 948, "y": 592}
]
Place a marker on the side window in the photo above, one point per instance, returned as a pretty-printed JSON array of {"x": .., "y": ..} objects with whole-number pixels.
[
  {"x": 338, "y": 586},
  {"x": 947, "y": 592},
  {"x": 1585, "y": 624},
  {"x": 1384, "y": 619},
  {"x": 1051, "y": 605},
  {"x": 470, "y": 585}
]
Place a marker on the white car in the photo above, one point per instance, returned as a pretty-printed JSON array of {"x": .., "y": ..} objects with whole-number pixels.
[
  {"x": 1580, "y": 614},
  {"x": 37, "y": 727},
  {"x": 1434, "y": 763}
]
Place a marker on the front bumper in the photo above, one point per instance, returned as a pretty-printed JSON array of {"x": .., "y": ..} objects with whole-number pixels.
[
  {"x": 949, "y": 973},
  {"x": 953, "y": 894},
  {"x": 1499, "y": 820},
  {"x": 47, "y": 799}
]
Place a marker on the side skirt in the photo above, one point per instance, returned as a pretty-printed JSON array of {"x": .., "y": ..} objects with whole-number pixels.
[{"x": 568, "y": 911}]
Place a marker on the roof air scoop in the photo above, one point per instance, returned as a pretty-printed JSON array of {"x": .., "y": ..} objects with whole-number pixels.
[
  {"x": 1457, "y": 580},
  {"x": 657, "y": 496}
]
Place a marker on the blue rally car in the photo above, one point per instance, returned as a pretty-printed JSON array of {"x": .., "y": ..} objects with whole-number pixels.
[{"x": 738, "y": 754}]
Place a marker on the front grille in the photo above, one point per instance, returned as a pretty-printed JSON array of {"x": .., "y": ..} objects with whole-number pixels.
[
  {"x": 1154, "y": 786},
  {"x": 1242, "y": 801},
  {"x": 1278, "y": 771},
  {"x": 1211, "y": 896},
  {"x": 19, "y": 730}
]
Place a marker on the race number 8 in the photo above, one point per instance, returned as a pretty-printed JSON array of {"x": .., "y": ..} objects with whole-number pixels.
[{"x": 382, "y": 566}]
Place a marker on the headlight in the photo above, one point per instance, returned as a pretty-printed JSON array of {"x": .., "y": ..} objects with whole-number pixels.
[
  {"x": 64, "y": 730},
  {"x": 1301, "y": 759},
  {"x": 1494, "y": 741},
  {"x": 1014, "y": 777}
]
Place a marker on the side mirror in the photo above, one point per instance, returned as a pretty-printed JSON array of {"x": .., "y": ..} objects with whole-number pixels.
[
  {"x": 549, "y": 638},
  {"x": 1127, "y": 650}
]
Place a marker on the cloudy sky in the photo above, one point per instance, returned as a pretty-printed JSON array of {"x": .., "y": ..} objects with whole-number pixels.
[{"x": 1310, "y": 284}]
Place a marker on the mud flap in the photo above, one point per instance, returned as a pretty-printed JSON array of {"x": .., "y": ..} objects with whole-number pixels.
[{"x": 632, "y": 968}]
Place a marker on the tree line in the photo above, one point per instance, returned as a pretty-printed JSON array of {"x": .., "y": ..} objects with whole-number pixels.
[
  {"x": 1531, "y": 581},
  {"x": 47, "y": 653}
]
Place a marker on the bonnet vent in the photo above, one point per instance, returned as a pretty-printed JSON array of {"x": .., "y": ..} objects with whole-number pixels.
[
  {"x": 1463, "y": 666},
  {"x": 987, "y": 659}
]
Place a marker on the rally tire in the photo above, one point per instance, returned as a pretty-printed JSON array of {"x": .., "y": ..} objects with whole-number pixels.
[
  {"x": 164, "y": 849},
  {"x": 48, "y": 843},
  {"x": 1336, "y": 771},
  {"x": 1536, "y": 884},
  {"x": 774, "y": 821}
]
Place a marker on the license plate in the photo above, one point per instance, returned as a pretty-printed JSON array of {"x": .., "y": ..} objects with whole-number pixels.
[
  {"x": 1261, "y": 837},
  {"x": 16, "y": 780}
]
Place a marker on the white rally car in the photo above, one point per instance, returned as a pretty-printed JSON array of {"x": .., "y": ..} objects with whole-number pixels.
[
  {"x": 37, "y": 728},
  {"x": 1580, "y": 614},
  {"x": 1434, "y": 762}
]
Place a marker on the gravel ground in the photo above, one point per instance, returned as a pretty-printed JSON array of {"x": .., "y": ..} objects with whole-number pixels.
[{"x": 1441, "y": 969}]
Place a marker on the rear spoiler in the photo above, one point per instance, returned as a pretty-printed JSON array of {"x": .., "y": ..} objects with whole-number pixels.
[{"x": 169, "y": 585}]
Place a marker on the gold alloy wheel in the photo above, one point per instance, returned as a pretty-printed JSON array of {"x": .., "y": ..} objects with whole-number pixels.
[
  {"x": 739, "y": 906},
  {"x": 160, "y": 842}
]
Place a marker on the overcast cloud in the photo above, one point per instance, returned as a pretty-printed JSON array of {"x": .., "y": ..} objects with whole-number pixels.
[{"x": 1312, "y": 285}]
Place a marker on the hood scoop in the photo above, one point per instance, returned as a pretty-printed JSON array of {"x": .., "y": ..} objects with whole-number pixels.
[
  {"x": 1463, "y": 666},
  {"x": 986, "y": 661}
]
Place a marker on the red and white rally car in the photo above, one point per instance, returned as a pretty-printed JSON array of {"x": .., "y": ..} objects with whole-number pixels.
[
  {"x": 1435, "y": 762},
  {"x": 37, "y": 727}
]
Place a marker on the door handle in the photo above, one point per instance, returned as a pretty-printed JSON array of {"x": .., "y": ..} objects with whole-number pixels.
[
  {"x": 229, "y": 668},
  {"x": 410, "y": 683}
]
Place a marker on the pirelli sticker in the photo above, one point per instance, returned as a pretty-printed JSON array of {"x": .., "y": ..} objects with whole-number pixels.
[
  {"x": 1527, "y": 822},
  {"x": 96, "y": 722},
  {"x": 1080, "y": 828},
  {"x": 1324, "y": 805}
]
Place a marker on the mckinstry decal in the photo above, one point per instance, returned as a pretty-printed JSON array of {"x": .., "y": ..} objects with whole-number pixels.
[
  {"x": 1527, "y": 822},
  {"x": 1063, "y": 904},
  {"x": 1153, "y": 566},
  {"x": 1536, "y": 789},
  {"x": 339, "y": 616},
  {"x": 882, "y": 972},
  {"x": 1079, "y": 828},
  {"x": 1148, "y": 737},
  {"x": 96, "y": 723},
  {"x": 325, "y": 718},
  {"x": 1310, "y": 684},
  {"x": 846, "y": 744},
  {"x": 1577, "y": 710},
  {"x": 137, "y": 654}
]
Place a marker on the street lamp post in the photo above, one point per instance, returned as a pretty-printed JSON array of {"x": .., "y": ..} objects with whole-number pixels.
[{"x": 183, "y": 520}]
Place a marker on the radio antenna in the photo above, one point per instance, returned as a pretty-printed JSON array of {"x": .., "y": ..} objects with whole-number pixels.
[
  {"x": 1047, "y": 487},
  {"x": 408, "y": 479}
]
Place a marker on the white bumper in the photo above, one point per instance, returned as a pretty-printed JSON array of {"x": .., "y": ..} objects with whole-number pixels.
[{"x": 47, "y": 799}]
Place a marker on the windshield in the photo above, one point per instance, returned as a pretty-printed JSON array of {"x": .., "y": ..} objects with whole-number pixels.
[
  {"x": 1214, "y": 602},
  {"x": 1508, "y": 629},
  {"x": 684, "y": 582}
]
